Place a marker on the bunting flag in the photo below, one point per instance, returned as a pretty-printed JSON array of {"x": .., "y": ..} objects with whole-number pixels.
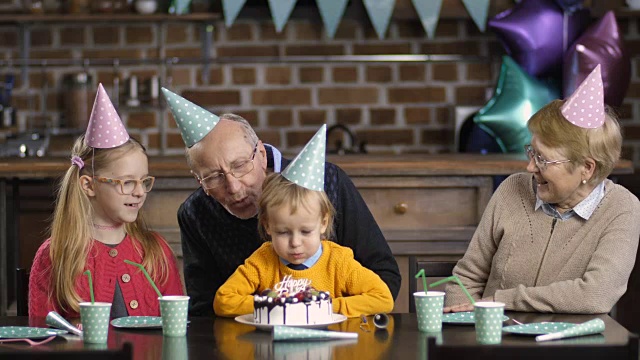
[
  {"x": 231, "y": 9},
  {"x": 331, "y": 12},
  {"x": 479, "y": 10},
  {"x": 429, "y": 12},
  {"x": 380, "y": 12},
  {"x": 280, "y": 12}
]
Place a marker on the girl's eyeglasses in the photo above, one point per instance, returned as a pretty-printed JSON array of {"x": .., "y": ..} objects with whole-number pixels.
[{"x": 127, "y": 187}]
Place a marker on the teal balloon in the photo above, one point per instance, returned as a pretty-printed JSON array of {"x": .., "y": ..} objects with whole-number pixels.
[{"x": 516, "y": 98}]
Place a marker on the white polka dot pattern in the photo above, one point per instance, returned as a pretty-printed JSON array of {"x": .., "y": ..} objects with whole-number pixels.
[
  {"x": 429, "y": 310},
  {"x": 193, "y": 121},
  {"x": 282, "y": 332},
  {"x": 489, "y": 323},
  {"x": 585, "y": 107},
  {"x": 95, "y": 322},
  {"x": 174, "y": 315},
  {"x": 105, "y": 129},
  {"x": 590, "y": 327},
  {"x": 307, "y": 169}
]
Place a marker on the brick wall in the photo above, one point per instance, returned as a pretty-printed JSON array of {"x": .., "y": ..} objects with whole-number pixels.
[{"x": 394, "y": 107}]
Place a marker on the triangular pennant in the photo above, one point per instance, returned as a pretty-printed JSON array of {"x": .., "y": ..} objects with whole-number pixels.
[
  {"x": 585, "y": 107},
  {"x": 105, "y": 129},
  {"x": 380, "y": 12},
  {"x": 307, "y": 169},
  {"x": 231, "y": 9},
  {"x": 193, "y": 121},
  {"x": 429, "y": 13},
  {"x": 331, "y": 12},
  {"x": 478, "y": 10},
  {"x": 280, "y": 12}
]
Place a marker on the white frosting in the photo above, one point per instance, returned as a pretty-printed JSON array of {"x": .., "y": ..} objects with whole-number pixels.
[{"x": 302, "y": 313}]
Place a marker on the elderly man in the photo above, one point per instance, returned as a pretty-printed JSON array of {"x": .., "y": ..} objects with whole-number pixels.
[{"x": 218, "y": 223}]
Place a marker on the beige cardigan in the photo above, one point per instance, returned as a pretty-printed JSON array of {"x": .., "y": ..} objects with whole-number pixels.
[{"x": 519, "y": 256}]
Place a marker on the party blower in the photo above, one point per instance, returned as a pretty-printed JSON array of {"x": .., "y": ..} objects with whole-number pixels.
[{"x": 56, "y": 320}]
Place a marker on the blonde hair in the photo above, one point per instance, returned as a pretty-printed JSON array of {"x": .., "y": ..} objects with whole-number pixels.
[
  {"x": 602, "y": 144},
  {"x": 278, "y": 191},
  {"x": 71, "y": 228}
]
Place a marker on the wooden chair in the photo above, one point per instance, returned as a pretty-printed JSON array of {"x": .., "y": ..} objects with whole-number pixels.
[
  {"x": 22, "y": 292},
  {"x": 547, "y": 352},
  {"x": 126, "y": 353},
  {"x": 431, "y": 269}
]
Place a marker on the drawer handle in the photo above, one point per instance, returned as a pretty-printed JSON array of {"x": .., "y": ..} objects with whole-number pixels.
[{"x": 401, "y": 208}]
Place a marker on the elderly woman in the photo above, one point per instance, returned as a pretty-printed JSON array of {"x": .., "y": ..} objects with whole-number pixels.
[{"x": 562, "y": 237}]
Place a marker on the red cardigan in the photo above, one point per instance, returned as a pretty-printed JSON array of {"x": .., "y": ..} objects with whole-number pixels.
[{"x": 106, "y": 266}]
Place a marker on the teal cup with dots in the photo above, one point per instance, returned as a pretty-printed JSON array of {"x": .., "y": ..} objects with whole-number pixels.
[
  {"x": 95, "y": 322},
  {"x": 488, "y": 318},
  {"x": 429, "y": 307},
  {"x": 173, "y": 310}
]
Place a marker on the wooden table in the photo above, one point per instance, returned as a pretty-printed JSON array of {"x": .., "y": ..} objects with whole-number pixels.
[{"x": 222, "y": 338}]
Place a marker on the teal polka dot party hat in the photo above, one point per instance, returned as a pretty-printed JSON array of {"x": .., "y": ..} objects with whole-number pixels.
[
  {"x": 193, "y": 121},
  {"x": 307, "y": 169}
]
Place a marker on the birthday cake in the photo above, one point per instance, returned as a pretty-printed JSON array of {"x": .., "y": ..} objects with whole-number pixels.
[{"x": 292, "y": 302}]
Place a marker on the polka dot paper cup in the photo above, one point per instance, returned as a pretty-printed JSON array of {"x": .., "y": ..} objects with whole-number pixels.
[
  {"x": 488, "y": 317},
  {"x": 173, "y": 310},
  {"x": 95, "y": 322},
  {"x": 429, "y": 307}
]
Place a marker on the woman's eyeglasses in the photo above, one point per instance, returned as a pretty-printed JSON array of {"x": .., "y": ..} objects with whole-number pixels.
[
  {"x": 238, "y": 170},
  {"x": 540, "y": 162},
  {"x": 127, "y": 187}
]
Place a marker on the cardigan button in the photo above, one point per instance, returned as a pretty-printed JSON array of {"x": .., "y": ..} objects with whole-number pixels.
[
  {"x": 113, "y": 252},
  {"x": 133, "y": 304},
  {"x": 126, "y": 278}
]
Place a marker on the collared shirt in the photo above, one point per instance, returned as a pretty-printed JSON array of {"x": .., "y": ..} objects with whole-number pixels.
[
  {"x": 584, "y": 209},
  {"x": 277, "y": 158},
  {"x": 310, "y": 261}
]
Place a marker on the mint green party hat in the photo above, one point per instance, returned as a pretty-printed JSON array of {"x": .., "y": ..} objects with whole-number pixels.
[
  {"x": 193, "y": 121},
  {"x": 307, "y": 169}
]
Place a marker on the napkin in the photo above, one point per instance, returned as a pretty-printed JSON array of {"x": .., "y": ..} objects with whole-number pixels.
[
  {"x": 590, "y": 327},
  {"x": 57, "y": 321},
  {"x": 284, "y": 333}
]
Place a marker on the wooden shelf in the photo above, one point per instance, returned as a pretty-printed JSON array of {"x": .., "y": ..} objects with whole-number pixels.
[{"x": 128, "y": 17}]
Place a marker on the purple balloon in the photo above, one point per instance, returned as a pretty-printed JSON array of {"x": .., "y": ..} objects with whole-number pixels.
[
  {"x": 535, "y": 34},
  {"x": 600, "y": 44},
  {"x": 570, "y": 5}
]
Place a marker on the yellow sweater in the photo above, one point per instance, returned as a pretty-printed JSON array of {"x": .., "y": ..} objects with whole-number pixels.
[{"x": 355, "y": 289}]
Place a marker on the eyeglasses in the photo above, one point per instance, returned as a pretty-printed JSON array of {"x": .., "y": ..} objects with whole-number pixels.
[
  {"x": 238, "y": 170},
  {"x": 540, "y": 162},
  {"x": 127, "y": 187}
]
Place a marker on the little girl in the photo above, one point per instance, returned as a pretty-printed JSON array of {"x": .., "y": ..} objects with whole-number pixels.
[
  {"x": 97, "y": 225},
  {"x": 294, "y": 216}
]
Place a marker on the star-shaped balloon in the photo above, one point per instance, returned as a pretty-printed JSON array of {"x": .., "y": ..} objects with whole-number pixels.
[
  {"x": 516, "y": 98},
  {"x": 535, "y": 34},
  {"x": 600, "y": 44}
]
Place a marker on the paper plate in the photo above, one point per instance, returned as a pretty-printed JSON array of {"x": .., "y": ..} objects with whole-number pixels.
[
  {"x": 138, "y": 322},
  {"x": 248, "y": 320},
  {"x": 463, "y": 318},
  {"x": 24, "y": 332},
  {"x": 537, "y": 328}
]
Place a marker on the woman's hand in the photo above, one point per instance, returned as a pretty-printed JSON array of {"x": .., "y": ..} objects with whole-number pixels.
[{"x": 464, "y": 307}]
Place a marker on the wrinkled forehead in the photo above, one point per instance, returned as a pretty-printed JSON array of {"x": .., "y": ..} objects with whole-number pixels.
[{"x": 226, "y": 143}]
